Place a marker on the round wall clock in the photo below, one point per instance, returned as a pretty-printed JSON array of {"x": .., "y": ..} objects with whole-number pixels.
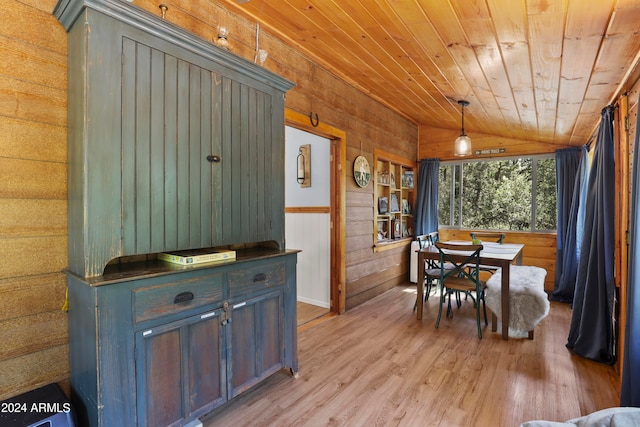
[{"x": 361, "y": 171}]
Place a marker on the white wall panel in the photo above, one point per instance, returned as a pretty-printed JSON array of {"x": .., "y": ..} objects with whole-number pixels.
[{"x": 310, "y": 232}]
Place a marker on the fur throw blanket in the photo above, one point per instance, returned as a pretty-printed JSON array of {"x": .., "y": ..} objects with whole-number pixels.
[
  {"x": 610, "y": 417},
  {"x": 529, "y": 303}
]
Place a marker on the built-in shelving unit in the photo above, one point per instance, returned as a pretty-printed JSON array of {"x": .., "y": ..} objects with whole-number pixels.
[{"x": 394, "y": 198}]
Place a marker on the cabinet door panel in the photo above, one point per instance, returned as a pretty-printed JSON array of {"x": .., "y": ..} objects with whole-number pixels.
[
  {"x": 257, "y": 337},
  {"x": 254, "y": 203},
  {"x": 179, "y": 370},
  {"x": 167, "y": 135},
  {"x": 243, "y": 346},
  {"x": 160, "y": 391},
  {"x": 206, "y": 386},
  {"x": 270, "y": 333}
]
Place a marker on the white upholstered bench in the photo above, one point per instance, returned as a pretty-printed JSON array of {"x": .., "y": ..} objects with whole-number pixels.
[{"x": 529, "y": 303}]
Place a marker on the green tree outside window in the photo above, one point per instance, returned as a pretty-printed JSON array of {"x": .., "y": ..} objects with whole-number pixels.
[{"x": 516, "y": 194}]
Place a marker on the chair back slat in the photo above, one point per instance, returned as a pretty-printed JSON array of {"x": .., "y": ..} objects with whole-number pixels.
[
  {"x": 480, "y": 235},
  {"x": 423, "y": 241},
  {"x": 428, "y": 240},
  {"x": 433, "y": 238}
]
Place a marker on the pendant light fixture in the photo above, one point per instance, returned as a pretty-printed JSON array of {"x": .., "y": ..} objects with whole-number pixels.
[{"x": 462, "y": 146}]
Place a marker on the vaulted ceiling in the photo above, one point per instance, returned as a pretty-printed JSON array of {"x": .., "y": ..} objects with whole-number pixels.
[{"x": 539, "y": 70}]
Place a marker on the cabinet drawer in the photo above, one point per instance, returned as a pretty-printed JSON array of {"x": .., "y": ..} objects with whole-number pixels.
[
  {"x": 257, "y": 278},
  {"x": 173, "y": 297}
]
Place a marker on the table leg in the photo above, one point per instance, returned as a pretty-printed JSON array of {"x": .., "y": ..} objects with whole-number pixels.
[
  {"x": 505, "y": 301},
  {"x": 420, "y": 285}
]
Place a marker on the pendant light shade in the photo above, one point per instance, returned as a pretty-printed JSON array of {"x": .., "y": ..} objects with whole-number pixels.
[{"x": 462, "y": 146}]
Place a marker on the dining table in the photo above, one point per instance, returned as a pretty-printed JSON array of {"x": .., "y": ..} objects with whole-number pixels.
[{"x": 500, "y": 255}]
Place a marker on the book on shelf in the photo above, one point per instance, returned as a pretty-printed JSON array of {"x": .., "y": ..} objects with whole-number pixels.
[
  {"x": 406, "y": 207},
  {"x": 396, "y": 232},
  {"x": 383, "y": 233},
  {"x": 383, "y": 205},
  {"x": 407, "y": 179},
  {"x": 197, "y": 256},
  {"x": 393, "y": 204}
]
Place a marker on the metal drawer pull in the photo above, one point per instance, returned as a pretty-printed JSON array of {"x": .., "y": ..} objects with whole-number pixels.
[
  {"x": 211, "y": 158},
  {"x": 183, "y": 297},
  {"x": 260, "y": 277}
]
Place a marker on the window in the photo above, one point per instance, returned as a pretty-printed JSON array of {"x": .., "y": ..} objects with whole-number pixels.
[{"x": 516, "y": 194}]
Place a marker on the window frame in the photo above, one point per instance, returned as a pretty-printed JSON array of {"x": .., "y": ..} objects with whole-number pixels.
[{"x": 458, "y": 178}]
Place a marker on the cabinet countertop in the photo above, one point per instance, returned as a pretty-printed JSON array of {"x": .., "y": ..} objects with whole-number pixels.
[{"x": 122, "y": 272}]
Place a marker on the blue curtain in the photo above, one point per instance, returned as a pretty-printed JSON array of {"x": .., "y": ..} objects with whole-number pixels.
[
  {"x": 572, "y": 170},
  {"x": 426, "y": 211},
  {"x": 591, "y": 333},
  {"x": 630, "y": 391}
]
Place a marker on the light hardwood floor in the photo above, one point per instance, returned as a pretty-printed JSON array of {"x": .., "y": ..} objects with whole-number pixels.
[
  {"x": 309, "y": 312},
  {"x": 376, "y": 365}
]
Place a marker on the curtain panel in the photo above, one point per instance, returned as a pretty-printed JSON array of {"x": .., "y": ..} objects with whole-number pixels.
[
  {"x": 591, "y": 333},
  {"x": 426, "y": 211},
  {"x": 572, "y": 170},
  {"x": 630, "y": 390}
]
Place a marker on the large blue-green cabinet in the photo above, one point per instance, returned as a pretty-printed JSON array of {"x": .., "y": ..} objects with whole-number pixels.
[{"x": 174, "y": 144}]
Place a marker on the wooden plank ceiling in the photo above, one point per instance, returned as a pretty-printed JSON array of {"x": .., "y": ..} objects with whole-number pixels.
[{"x": 538, "y": 70}]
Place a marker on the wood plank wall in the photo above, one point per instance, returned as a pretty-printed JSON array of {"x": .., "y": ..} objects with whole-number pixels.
[
  {"x": 33, "y": 197},
  {"x": 633, "y": 109}
]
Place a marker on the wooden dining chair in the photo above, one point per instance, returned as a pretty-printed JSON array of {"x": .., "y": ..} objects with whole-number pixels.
[
  {"x": 494, "y": 237},
  {"x": 482, "y": 235},
  {"x": 431, "y": 267},
  {"x": 463, "y": 277}
]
